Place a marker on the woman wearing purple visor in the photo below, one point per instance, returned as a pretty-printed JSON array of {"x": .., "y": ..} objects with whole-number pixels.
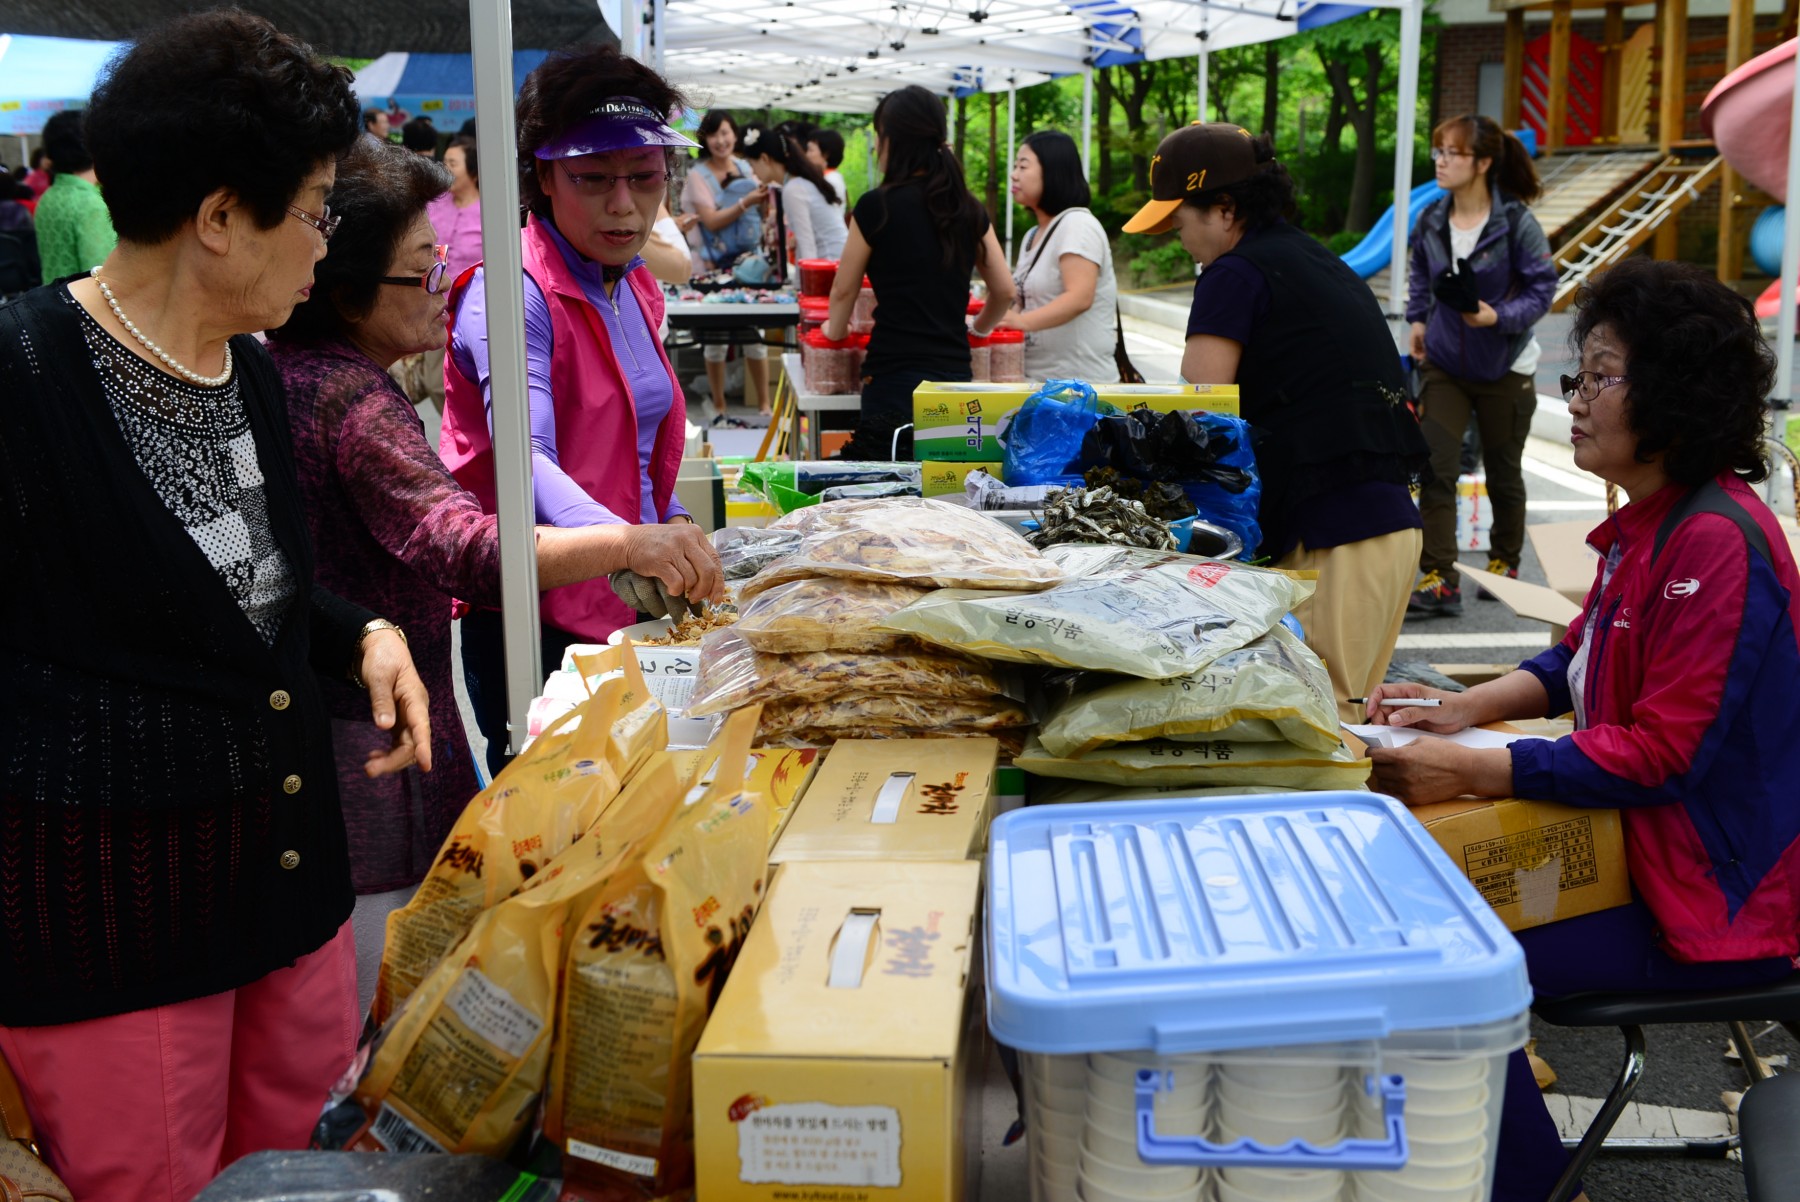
[{"x": 608, "y": 421}]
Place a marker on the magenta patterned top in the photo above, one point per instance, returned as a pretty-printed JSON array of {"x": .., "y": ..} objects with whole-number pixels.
[{"x": 394, "y": 532}]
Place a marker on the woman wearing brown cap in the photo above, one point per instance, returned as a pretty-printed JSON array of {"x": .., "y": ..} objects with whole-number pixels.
[{"x": 1279, "y": 315}]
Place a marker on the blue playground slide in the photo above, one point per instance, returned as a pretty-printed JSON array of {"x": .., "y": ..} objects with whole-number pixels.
[{"x": 1374, "y": 252}]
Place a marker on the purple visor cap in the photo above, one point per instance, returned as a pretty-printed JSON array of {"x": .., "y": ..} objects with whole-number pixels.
[{"x": 616, "y": 123}]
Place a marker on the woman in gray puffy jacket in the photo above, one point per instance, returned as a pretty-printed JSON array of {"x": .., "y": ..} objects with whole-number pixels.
[{"x": 1480, "y": 277}]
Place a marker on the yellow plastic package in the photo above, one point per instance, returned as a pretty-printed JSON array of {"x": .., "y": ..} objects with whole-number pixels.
[
  {"x": 535, "y": 808},
  {"x": 1273, "y": 690},
  {"x": 824, "y": 613},
  {"x": 1164, "y": 762},
  {"x": 733, "y": 674},
  {"x": 911, "y": 540},
  {"x": 648, "y": 957},
  {"x": 1154, "y": 614},
  {"x": 462, "y": 1064}
]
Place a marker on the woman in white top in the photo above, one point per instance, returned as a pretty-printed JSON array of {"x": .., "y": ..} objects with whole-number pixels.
[
  {"x": 806, "y": 198},
  {"x": 726, "y": 201},
  {"x": 1065, "y": 271}
]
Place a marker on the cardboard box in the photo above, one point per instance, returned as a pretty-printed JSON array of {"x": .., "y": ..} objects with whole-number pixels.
[
  {"x": 777, "y": 775},
  {"x": 939, "y": 478},
  {"x": 1568, "y": 561},
  {"x": 867, "y": 1090},
  {"x": 1527, "y": 600},
  {"x": 895, "y": 799},
  {"x": 1534, "y": 861},
  {"x": 960, "y": 422}
]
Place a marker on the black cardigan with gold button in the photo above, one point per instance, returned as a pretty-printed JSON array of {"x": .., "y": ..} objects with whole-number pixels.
[{"x": 169, "y": 820}]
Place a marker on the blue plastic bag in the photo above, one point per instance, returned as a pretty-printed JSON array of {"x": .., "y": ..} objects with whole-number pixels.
[
  {"x": 1236, "y": 511},
  {"x": 1045, "y": 437}
]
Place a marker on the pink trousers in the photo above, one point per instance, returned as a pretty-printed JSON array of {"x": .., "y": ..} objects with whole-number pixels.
[{"x": 150, "y": 1106}]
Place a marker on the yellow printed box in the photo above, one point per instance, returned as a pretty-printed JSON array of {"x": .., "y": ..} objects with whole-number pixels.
[
  {"x": 938, "y": 478},
  {"x": 961, "y": 422},
  {"x": 844, "y": 1058},
  {"x": 895, "y": 799}
]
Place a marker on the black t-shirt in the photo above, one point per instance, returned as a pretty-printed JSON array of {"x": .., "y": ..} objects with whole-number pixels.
[{"x": 920, "y": 307}]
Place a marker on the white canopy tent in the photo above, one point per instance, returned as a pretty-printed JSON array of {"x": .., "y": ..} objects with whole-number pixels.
[{"x": 840, "y": 56}]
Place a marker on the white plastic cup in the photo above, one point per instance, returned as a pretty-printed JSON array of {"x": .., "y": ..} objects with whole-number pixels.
[
  {"x": 1390, "y": 1187},
  {"x": 1281, "y": 1078},
  {"x": 1447, "y": 1153},
  {"x": 1170, "y": 1120},
  {"x": 1056, "y": 1124},
  {"x": 1124, "y": 1066},
  {"x": 1320, "y": 1130},
  {"x": 1327, "y": 1100},
  {"x": 1065, "y": 1072},
  {"x": 1093, "y": 1191},
  {"x": 1137, "y": 1179},
  {"x": 1058, "y": 1189},
  {"x": 1067, "y": 1098},
  {"x": 1454, "y": 1125},
  {"x": 1109, "y": 1144},
  {"x": 1189, "y": 1096},
  {"x": 1432, "y": 1072},
  {"x": 1279, "y": 1185}
]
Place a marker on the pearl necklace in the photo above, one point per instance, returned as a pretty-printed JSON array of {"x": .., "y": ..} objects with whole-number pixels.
[{"x": 193, "y": 377}]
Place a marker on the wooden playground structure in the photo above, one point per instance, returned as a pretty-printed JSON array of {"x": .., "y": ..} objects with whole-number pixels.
[{"x": 1611, "y": 120}]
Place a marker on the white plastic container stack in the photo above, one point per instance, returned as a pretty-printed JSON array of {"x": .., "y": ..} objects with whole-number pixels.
[{"x": 1279, "y": 998}]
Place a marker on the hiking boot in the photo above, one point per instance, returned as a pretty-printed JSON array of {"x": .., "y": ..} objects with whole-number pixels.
[
  {"x": 1498, "y": 567},
  {"x": 1432, "y": 598}
]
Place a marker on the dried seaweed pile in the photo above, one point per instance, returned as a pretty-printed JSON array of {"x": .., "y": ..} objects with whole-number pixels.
[{"x": 1099, "y": 515}]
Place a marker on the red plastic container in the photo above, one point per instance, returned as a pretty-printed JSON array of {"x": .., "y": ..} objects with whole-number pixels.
[
  {"x": 980, "y": 355},
  {"x": 816, "y": 276},
  {"x": 814, "y": 312},
  {"x": 1006, "y": 356},
  {"x": 832, "y": 367},
  {"x": 862, "y": 318}
]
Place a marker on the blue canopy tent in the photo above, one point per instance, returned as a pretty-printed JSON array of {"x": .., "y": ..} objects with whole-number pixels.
[
  {"x": 42, "y": 76},
  {"x": 439, "y": 86}
]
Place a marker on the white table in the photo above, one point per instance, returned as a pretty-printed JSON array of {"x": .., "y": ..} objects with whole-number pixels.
[{"x": 812, "y": 404}]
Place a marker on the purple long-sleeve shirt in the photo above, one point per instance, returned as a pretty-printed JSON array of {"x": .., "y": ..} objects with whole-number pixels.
[{"x": 559, "y": 499}]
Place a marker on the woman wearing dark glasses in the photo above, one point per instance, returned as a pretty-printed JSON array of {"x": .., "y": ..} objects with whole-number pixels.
[
  {"x": 393, "y": 529},
  {"x": 1680, "y": 673}
]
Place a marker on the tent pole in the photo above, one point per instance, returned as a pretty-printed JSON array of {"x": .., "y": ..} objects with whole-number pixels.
[
  {"x": 1411, "y": 30},
  {"x": 1012, "y": 152},
  {"x": 1087, "y": 121},
  {"x": 659, "y": 53},
  {"x": 1200, "y": 109},
  {"x": 1790, "y": 258},
  {"x": 491, "y": 39}
]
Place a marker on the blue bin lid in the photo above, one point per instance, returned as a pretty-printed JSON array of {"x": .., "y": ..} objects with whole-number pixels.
[{"x": 1206, "y": 924}]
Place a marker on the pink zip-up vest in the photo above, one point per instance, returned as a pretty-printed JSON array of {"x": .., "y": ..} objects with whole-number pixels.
[{"x": 596, "y": 422}]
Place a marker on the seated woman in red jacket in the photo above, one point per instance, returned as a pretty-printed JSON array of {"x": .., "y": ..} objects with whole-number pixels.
[{"x": 1680, "y": 672}]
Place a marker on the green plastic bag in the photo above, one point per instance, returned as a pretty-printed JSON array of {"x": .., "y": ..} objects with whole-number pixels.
[{"x": 1164, "y": 762}]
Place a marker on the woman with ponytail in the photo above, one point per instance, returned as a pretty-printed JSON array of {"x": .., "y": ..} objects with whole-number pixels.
[
  {"x": 804, "y": 196},
  {"x": 1480, "y": 278},
  {"x": 917, "y": 237}
]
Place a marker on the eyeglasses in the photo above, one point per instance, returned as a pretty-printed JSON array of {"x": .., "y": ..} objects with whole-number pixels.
[
  {"x": 645, "y": 183},
  {"x": 324, "y": 222},
  {"x": 432, "y": 279},
  {"x": 1440, "y": 153},
  {"x": 1589, "y": 384}
]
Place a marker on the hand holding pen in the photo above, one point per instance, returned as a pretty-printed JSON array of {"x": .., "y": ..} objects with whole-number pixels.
[{"x": 1415, "y": 705}]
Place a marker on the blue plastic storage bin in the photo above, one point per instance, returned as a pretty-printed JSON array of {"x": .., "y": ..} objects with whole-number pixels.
[{"x": 1273, "y": 998}]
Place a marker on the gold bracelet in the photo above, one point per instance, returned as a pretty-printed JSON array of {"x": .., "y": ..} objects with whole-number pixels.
[{"x": 362, "y": 636}]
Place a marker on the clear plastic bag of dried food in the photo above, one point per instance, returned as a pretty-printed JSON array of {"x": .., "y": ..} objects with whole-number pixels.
[
  {"x": 824, "y": 613},
  {"x": 909, "y": 540},
  {"x": 1164, "y": 762},
  {"x": 732, "y": 673},
  {"x": 1153, "y": 614},
  {"x": 850, "y": 714},
  {"x": 1273, "y": 690},
  {"x": 746, "y": 550}
]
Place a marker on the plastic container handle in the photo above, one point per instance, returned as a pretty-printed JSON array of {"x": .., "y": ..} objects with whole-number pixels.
[{"x": 1348, "y": 1154}]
